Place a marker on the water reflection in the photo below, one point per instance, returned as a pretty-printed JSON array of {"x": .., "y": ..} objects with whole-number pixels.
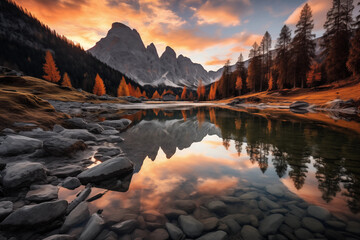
[{"x": 288, "y": 149}]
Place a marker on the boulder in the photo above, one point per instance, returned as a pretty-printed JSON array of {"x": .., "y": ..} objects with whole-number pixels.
[
  {"x": 6, "y": 207},
  {"x": 16, "y": 145},
  {"x": 82, "y": 134},
  {"x": 250, "y": 233},
  {"x": 191, "y": 227},
  {"x": 79, "y": 215},
  {"x": 42, "y": 193},
  {"x": 174, "y": 232},
  {"x": 35, "y": 215},
  {"x": 92, "y": 228},
  {"x": 218, "y": 235},
  {"x": 118, "y": 124},
  {"x": 71, "y": 183},
  {"x": 77, "y": 123},
  {"x": 95, "y": 128},
  {"x": 299, "y": 105},
  {"x": 61, "y": 146},
  {"x": 271, "y": 224},
  {"x": 318, "y": 212},
  {"x": 67, "y": 170},
  {"x": 23, "y": 174},
  {"x": 125, "y": 227},
  {"x": 114, "y": 167}
]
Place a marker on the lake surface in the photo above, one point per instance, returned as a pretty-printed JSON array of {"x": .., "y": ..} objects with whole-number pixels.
[{"x": 216, "y": 163}]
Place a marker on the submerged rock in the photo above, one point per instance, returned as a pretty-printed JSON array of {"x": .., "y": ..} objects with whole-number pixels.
[
  {"x": 186, "y": 205},
  {"x": 33, "y": 215},
  {"x": 92, "y": 228},
  {"x": 60, "y": 237},
  {"x": 250, "y": 233},
  {"x": 80, "y": 197},
  {"x": 174, "y": 232},
  {"x": 191, "y": 227},
  {"x": 218, "y": 235},
  {"x": 125, "y": 227},
  {"x": 79, "y": 215},
  {"x": 313, "y": 225},
  {"x": 41, "y": 193},
  {"x": 16, "y": 145},
  {"x": 23, "y": 174},
  {"x": 271, "y": 224},
  {"x": 118, "y": 124},
  {"x": 217, "y": 206},
  {"x": 158, "y": 234},
  {"x": 71, "y": 183},
  {"x": 318, "y": 212}
]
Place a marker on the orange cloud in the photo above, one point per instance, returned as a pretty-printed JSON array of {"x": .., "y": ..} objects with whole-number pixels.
[{"x": 216, "y": 61}]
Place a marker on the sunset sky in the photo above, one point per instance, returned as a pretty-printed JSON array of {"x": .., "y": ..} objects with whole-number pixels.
[{"x": 207, "y": 31}]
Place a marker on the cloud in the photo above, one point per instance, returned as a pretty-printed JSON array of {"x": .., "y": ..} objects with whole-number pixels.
[
  {"x": 319, "y": 10},
  {"x": 215, "y": 61}
]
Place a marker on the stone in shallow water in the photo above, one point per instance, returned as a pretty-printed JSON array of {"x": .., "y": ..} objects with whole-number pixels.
[
  {"x": 71, "y": 183},
  {"x": 217, "y": 206},
  {"x": 270, "y": 204},
  {"x": 232, "y": 224},
  {"x": 276, "y": 190},
  {"x": 250, "y": 233},
  {"x": 42, "y": 193},
  {"x": 218, "y": 235},
  {"x": 16, "y": 145},
  {"x": 174, "y": 232},
  {"x": 6, "y": 207},
  {"x": 229, "y": 199},
  {"x": 271, "y": 224},
  {"x": 78, "y": 215},
  {"x": 82, "y": 134},
  {"x": 292, "y": 221},
  {"x": 303, "y": 234},
  {"x": 191, "y": 227},
  {"x": 249, "y": 195},
  {"x": 66, "y": 171},
  {"x": 34, "y": 215},
  {"x": 158, "y": 234},
  {"x": 318, "y": 212},
  {"x": 119, "y": 124},
  {"x": 186, "y": 205},
  {"x": 23, "y": 174},
  {"x": 336, "y": 224},
  {"x": 172, "y": 213},
  {"x": 92, "y": 228},
  {"x": 353, "y": 227},
  {"x": 210, "y": 223},
  {"x": 110, "y": 132},
  {"x": 125, "y": 227},
  {"x": 313, "y": 225}
]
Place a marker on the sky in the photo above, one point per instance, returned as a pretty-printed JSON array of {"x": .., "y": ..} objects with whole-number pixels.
[{"x": 208, "y": 31}]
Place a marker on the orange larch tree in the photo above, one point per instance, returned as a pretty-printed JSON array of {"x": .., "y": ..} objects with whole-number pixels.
[
  {"x": 191, "y": 96},
  {"x": 238, "y": 85},
  {"x": 99, "y": 87},
  {"x": 51, "y": 72},
  {"x": 155, "y": 95},
  {"x": 123, "y": 89},
  {"x": 183, "y": 94},
  {"x": 66, "y": 81},
  {"x": 201, "y": 91}
]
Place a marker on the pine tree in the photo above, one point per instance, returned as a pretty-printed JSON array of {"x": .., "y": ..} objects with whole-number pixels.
[
  {"x": 201, "y": 91},
  {"x": 51, "y": 72},
  {"x": 353, "y": 63},
  {"x": 283, "y": 56},
  {"x": 99, "y": 87},
  {"x": 66, "y": 81},
  {"x": 225, "y": 81},
  {"x": 183, "y": 94},
  {"x": 265, "y": 59},
  {"x": 303, "y": 46},
  {"x": 123, "y": 89},
  {"x": 254, "y": 70},
  {"x": 336, "y": 39},
  {"x": 241, "y": 74}
]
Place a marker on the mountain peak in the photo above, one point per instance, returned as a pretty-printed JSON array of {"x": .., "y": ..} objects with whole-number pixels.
[
  {"x": 119, "y": 25},
  {"x": 151, "y": 49},
  {"x": 169, "y": 53}
]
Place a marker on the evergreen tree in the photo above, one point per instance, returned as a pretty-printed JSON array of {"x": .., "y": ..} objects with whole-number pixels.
[
  {"x": 336, "y": 40},
  {"x": 241, "y": 75},
  {"x": 303, "y": 46},
  {"x": 123, "y": 89},
  {"x": 265, "y": 59},
  {"x": 66, "y": 82},
  {"x": 99, "y": 87},
  {"x": 225, "y": 81},
  {"x": 254, "y": 73},
  {"x": 51, "y": 72},
  {"x": 283, "y": 56},
  {"x": 353, "y": 62}
]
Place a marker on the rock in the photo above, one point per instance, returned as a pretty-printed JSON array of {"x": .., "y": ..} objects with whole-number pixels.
[
  {"x": 313, "y": 225},
  {"x": 24, "y": 124},
  {"x": 292, "y": 221},
  {"x": 110, "y": 132},
  {"x": 336, "y": 224},
  {"x": 34, "y": 215},
  {"x": 77, "y": 122},
  {"x": 92, "y": 228},
  {"x": 95, "y": 128},
  {"x": 79, "y": 215},
  {"x": 353, "y": 227},
  {"x": 61, "y": 146},
  {"x": 82, "y": 134},
  {"x": 23, "y": 174},
  {"x": 250, "y": 233},
  {"x": 249, "y": 195},
  {"x": 232, "y": 224},
  {"x": 42, "y": 193},
  {"x": 125, "y": 227},
  {"x": 71, "y": 183},
  {"x": 318, "y": 212},
  {"x": 16, "y": 145},
  {"x": 6, "y": 207},
  {"x": 153, "y": 216},
  {"x": 271, "y": 224},
  {"x": 8, "y": 131},
  {"x": 296, "y": 211},
  {"x": 276, "y": 190},
  {"x": 236, "y": 101},
  {"x": 191, "y": 227},
  {"x": 217, "y": 206},
  {"x": 171, "y": 213},
  {"x": 158, "y": 234},
  {"x": 210, "y": 223},
  {"x": 118, "y": 124},
  {"x": 270, "y": 204},
  {"x": 174, "y": 232},
  {"x": 201, "y": 213},
  {"x": 67, "y": 170},
  {"x": 80, "y": 197},
  {"x": 114, "y": 167},
  {"x": 109, "y": 151},
  {"x": 299, "y": 105},
  {"x": 60, "y": 237},
  {"x": 218, "y": 235},
  {"x": 186, "y": 205},
  {"x": 57, "y": 128},
  {"x": 229, "y": 199},
  {"x": 114, "y": 139},
  {"x": 303, "y": 234}
]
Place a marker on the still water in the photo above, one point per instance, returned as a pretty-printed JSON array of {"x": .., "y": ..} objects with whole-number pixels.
[{"x": 231, "y": 165}]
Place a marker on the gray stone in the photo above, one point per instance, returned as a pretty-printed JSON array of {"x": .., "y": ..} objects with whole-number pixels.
[
  {"x": 8, "y": 131},
  {"x": 6, "y": 207},
  {"x": 114, "y": 139},
  {"x": 229, "y": 199},
  {"x": 110, "y": 132},
  {"x": 158, "y": 234},
  {"x": 218, "y": 235},
  {"x": 71, "y": 183},
  {"x": 174, "y": 232},
  {"x": 109, "y": 151},
  {"x": 296, "y": 211},
  {"x": 191, "y": 227},
  {"x": 111, "y": 168},
  {"x": 118, "y": 124},
  {"x": 172, "y": 213},
  {"x": 353, "y": 227},
  {"x": 303, "y": 234},
  {"x": 95, "y": 128},
  {"x": 186, "y": 205},
  {"x": 232, "y": 224},
  {"x": 276, "y": 190},
  {"x": 217, "y": 206},
  {"x": 249, "y": 195},
  {"x": 57, "y": 128},
  {"x": 250, "y": 233},
  {"x": 23, "y": 174},
  {"x": 299, "y": 105},
  {"x": 24, "y": 124},
  {"x": 82, "y": 134},
  {"x": 270, "y": 204},
  {"x": 61, "y": 146},
  {"x": 271, "y": 224},
  {"x": 313, "y": 225},
  {"x": 292, "y": 221},
  {"x": 79, "y": 215},
  {"x": 125, "y": 227},
  {"x": 336, "y": 224},
  {"x": 16, "y": 145},
  {"x": 33, "y": 215},
  {"x": 42, "y": 193},
  {"x": 210, "y": 223},
  {"x": 77, "y": 122},
  {"x": 80, "y": 197},
  {"x": 66, "y": 171},
  {"x": 92, "y": 228},
  {"x": 60, "y": 237},
  {"x": 318, "y": 212}
]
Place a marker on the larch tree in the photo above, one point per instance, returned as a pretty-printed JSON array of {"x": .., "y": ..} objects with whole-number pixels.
[
  {"x": 66, "y": 82},
  {"x": 353, "y": 63},
  {"x": 241, "y": 74},
  {"x": 201, "y": 91},
  {"x": 99, "y": 87},
  {"x": 52, "y": 73},
  {"x": 155, "y": 95},
  {"x": 225, "y": 81},
  {"x": 254, "y": 72},
  {"x": 265, "y": 59},
  {"x": 191, "y": 96},
  {"x": 283, "y": 56},
  {"x": 303, "y": 46},
  {"x": 123, "y": 89},
  {"x": 183, "y": 94},
  {"x": 336, "y": 39}
]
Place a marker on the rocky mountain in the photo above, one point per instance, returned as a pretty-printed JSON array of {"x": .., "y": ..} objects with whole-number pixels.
[{"x": 124, "y": 50}]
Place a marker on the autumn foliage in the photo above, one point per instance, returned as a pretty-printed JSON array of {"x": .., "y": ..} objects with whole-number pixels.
[
  {"x": 99, "y": 87},
  {"x": 51, "y": 72},
  {"x": 123, "y": 89},
  {"x": 155, "y": 95},
  {"x": 183, "y": 94},
  {"x": 201, "y": 91},
  {"x": 66, "y": 81}
]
